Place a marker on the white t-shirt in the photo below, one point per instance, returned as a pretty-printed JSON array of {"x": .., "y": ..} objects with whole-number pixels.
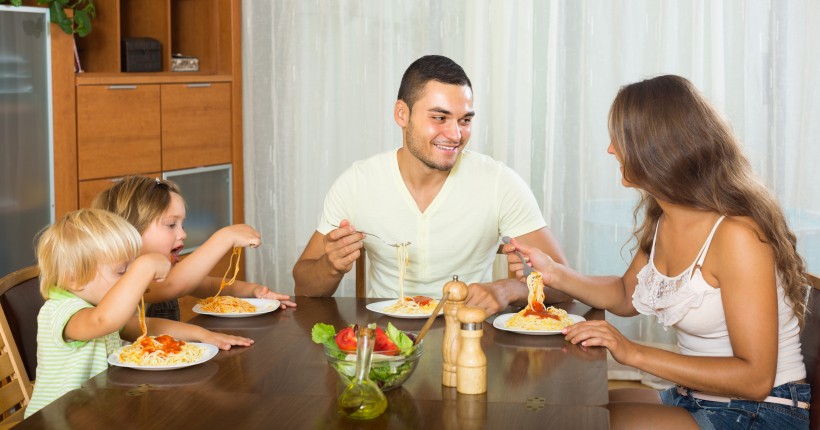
[{"x": 458, "y": 233}]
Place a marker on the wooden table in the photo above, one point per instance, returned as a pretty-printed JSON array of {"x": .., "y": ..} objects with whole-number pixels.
[{"x": 284, "y": 381}]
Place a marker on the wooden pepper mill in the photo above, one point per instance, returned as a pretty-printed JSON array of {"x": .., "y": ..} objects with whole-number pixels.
[
  {"x": 450, "y": 347},
  {"x": 472, "y": 363}
]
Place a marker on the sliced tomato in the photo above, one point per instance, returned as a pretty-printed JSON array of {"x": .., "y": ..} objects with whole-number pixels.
[
  {"x": 346, "y": 339},
  {"x": 384, "y": 345}
]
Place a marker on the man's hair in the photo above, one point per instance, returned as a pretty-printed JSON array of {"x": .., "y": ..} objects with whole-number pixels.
[
  {"x": 430, "y": 68},
  {"x": 138, "y": 199},
  {"x": 71, "y": 250}
]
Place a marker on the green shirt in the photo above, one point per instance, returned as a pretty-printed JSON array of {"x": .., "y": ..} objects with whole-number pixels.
[{"x": 63, "y": 365}]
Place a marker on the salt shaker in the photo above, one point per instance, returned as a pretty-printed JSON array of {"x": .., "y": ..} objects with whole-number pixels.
[
  {"x": 472, "y": 363},
  {"x": 450, "y": 345}
]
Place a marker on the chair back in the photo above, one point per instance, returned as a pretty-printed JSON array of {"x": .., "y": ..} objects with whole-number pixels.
[
  {"x": 361, "y": 273},
  {"x": 810, "y": 344},
  {"x": 15, "y": 386},
  {"x": 21, "y": 301}
]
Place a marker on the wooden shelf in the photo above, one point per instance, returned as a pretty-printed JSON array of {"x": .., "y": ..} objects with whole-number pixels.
[{"x": 149, "y": 78}]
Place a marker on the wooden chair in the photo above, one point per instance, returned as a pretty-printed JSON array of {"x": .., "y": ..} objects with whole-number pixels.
[
  {"x": 361, "y": 273},
  {"x": 21, "y": 301},
  {"x": 810, "y": 342},
  {"x": 15, "y": 386}
]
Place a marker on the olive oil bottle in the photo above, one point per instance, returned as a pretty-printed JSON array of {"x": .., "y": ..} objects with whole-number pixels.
[{"x": 362, "y": 398}]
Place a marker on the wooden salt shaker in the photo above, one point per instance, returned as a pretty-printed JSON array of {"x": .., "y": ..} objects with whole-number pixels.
[
  {"x": 450, "y": 345},
  {"x": 472, "y": 363}
]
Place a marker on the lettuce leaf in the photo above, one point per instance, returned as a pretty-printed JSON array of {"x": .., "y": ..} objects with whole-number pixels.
[{"x": 400, "y": 339}]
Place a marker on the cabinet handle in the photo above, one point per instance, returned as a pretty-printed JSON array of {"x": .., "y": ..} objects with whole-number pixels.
[
  {"x": 205, "y": 85},
  {"x": 122, "y": 87}
]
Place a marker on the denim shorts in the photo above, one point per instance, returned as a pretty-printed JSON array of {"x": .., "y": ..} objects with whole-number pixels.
[{"x": 746, "y": 414}]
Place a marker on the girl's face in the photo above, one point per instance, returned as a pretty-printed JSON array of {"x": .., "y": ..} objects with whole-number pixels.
[
  {"x": 165, "y": 235},
  {"x": 107, "y": 275}
]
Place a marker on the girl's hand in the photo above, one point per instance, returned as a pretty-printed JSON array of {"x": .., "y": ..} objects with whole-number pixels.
[
  {"x": 242, "y": 235},
  {"x": 262, "y": 292},
  {"x": 601, "y": 333},
  {"x": 225, "y": 341}
]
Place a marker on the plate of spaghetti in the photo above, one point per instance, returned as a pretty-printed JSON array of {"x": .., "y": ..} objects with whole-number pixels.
[
  {"x": 405, "y": 306},
  {"x": 536, "y": 318},
  {"x": 232, "y": 307},
  {"x": 409, "y": 307},
  {"x": 162, "y": 353}
]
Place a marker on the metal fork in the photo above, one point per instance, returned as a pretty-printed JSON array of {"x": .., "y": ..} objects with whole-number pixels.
[{"x": 394, "y": 245}]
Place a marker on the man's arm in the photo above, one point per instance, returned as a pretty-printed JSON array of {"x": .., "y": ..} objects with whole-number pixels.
[
  {"x": 497, "y": 295},
  {"x": 325, "y": 260}
]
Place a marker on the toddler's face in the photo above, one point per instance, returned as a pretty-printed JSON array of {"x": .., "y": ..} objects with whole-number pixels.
[
  {"x": 107, "y": 276},
  {"x": 166, "y": 235}
]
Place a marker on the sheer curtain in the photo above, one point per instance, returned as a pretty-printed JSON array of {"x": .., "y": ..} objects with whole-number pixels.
[{"x": 321, "y": 78}]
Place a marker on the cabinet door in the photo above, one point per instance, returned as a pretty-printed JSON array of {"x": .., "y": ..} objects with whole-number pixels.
[
  {"x": 196, "y": 125},
  {"x": 90, "y": 189},
  {"x": 118, "y": 130}
]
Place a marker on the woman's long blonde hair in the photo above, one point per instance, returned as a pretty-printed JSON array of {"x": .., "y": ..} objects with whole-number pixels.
[{"x": 677, "y": 147}]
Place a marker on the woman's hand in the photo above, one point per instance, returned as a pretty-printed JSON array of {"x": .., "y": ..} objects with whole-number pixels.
[
  {"x": 601, "y": 333},
  {"x": 535, "y": 258}
]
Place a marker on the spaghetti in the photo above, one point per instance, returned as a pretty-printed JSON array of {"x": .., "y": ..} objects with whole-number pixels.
[
  {"x": 535, "y": 316},
  {"x": 162, "y": 350},
  {"x": 227, "y": 304},
  {"x": 416, "y": 305}
]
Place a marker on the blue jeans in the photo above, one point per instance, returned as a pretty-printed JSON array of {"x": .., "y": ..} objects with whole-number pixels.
[{"x": 746, "y": 414}]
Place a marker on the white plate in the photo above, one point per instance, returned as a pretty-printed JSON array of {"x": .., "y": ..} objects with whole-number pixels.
[
  {"x": 379, "y": 307},
  {"x": 263, "y": 306},
  {"x": 501, "y": 322},
  {"x": 210, "y": 352}
]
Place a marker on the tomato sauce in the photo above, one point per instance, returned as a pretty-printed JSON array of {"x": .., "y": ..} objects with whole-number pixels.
[
  {"x": 538, "y": 310},
  {"x": 163, "y": 343}
]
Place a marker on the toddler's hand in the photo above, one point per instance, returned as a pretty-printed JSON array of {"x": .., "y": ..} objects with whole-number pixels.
[
  {"x": 243, "y": 235},
  {"x": 262, "y": 292},
  {"x": 225, "y": 341},
  {"x": 155, "y": 262}
]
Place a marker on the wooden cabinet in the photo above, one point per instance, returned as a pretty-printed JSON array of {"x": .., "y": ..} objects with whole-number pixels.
[
  {"x": 195, "y": 119},
  {"x": 153, "y": 123},
  {"x": 118, "y": 130}
]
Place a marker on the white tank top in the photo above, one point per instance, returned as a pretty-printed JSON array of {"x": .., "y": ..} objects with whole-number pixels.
[{"x": 695, "y": 309}]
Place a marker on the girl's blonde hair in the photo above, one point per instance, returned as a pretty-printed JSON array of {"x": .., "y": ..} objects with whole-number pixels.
[
  {"x": 138, "y": 199},
  {"x": 70, "y": 251},
  {"x": 679, "y": 149}
]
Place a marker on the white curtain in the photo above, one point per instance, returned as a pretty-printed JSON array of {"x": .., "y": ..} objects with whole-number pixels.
[{"x": 321, "y": 76}]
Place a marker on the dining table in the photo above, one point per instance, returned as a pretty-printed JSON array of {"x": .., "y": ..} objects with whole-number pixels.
[{"x": 284, "y": 381}]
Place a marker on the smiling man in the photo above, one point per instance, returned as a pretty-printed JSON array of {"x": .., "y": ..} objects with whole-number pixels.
[{"x": 451, "y": 204}]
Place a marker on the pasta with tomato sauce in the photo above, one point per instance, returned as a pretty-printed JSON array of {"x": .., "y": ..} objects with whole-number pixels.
[
  {"x": 535, "y": 316},
  {"x": 162, "y": 350},
  {"x": 416, "y": 305}
]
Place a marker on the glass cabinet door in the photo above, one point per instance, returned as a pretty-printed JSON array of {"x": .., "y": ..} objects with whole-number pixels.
[{"x": 208, "y": 197}]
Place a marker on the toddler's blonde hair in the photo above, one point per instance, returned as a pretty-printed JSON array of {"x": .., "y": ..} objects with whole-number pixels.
[{"x": 70, "y": 251}]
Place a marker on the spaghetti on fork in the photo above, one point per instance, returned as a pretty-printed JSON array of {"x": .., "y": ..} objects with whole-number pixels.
[
  {"x": 535, "y": 316},
  {"x": 227, "y": 304}
]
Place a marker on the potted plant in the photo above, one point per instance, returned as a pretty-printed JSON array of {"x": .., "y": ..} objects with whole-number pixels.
[{"x": 79, "y": 23}]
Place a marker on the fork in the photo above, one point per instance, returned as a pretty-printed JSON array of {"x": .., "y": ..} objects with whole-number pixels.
[
  {"x": 394, "y": 245},
  {"x": 527, "y": 269}
]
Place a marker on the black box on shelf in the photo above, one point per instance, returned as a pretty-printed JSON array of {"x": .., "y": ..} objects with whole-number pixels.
[{"x": 141, "y": 54}]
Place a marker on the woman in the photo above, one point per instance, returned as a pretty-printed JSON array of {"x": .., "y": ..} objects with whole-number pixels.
[{"x": 715, "y": 260}]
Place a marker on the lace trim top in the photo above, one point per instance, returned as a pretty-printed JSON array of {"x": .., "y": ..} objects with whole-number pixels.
[{"x": 670, "y": 298}]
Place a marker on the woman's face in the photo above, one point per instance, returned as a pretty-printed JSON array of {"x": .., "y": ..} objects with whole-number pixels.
[
  {"x": 165, "y": 235},
  {"x": 611, "y": 149}
]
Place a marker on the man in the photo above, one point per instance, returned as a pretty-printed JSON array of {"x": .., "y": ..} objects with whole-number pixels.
[{"x": 452, "y": 205}]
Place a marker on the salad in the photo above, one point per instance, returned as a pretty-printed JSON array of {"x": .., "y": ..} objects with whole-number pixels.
[{"x": 394, "y": 354}]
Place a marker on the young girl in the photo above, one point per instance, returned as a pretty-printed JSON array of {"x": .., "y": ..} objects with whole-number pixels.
[
  {"x": 92, "y": 278},
  {"x": 156, "y": 208},
  {"x": 715, "y": 260}
]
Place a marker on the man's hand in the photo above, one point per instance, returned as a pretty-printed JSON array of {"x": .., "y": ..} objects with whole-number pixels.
[
  {"x": 342, "y": 246},
  {"x": 495, "y": 296}
]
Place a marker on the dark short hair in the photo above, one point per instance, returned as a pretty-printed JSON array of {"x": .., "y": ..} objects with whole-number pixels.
[{"x": 430, "y": 68}]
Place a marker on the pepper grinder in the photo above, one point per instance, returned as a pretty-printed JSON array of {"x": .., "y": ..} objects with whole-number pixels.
[
  {"x": 450, "y": 347},
  {"x": 472, "y": 363}
]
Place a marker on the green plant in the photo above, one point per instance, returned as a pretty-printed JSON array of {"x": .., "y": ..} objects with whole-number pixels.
[{"x": 80, "y": 23}]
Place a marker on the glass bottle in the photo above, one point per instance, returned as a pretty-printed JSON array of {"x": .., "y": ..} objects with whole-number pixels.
[{"x": 363, "y": 399}]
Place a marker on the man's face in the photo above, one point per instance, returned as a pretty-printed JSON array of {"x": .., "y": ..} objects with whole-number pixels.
[{"x": 440, "y": 124}]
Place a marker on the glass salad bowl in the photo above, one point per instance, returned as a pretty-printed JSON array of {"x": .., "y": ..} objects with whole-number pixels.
[{"x": 387, "y": 371}]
